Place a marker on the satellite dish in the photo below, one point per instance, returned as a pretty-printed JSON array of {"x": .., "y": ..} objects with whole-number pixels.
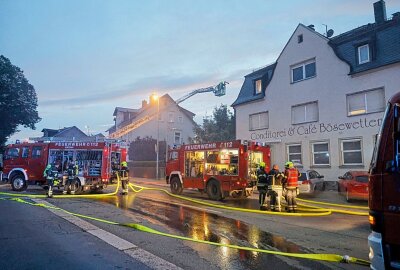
[{"x": 329, "y": 33}]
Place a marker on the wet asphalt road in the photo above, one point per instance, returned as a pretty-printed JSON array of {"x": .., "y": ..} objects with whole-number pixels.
[{"x": 333, "y": 234}]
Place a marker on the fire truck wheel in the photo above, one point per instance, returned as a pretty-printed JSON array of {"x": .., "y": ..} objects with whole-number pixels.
[
  {"x": 176, "y": 186},
  {"x": 18, "y": 183},
  {"x": 214, "y": 190}
]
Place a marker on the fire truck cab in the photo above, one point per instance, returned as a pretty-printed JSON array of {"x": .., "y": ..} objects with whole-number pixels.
[
  {"x": 97, "y": 162},
  {"x": 220, "y": 169},
  {"x": 384, "y": 192}
]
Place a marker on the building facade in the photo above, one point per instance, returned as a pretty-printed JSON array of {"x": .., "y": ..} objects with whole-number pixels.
[
  {"x": 161, "y": 118},
  {"x": 321, "y": 103}
]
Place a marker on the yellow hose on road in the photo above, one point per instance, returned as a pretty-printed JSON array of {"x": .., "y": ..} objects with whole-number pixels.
[
  {"x": 322, "y": 212},
  {"x": 142, "y": 228},
  {"x": 334, "y": 204}
]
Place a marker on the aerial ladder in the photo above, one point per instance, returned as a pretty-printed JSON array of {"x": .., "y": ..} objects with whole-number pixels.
[{"x": 218, "y": 90}]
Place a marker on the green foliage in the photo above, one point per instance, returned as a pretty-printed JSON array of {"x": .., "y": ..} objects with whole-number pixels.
[
  {"x": 18, "y": 101},
  {"x": 219, "y": 127}
]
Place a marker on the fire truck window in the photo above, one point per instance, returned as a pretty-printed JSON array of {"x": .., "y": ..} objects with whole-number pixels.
[
  {"x": 173, "y": 155},
  {"x": 36, "y": 151},
  {"x": 194, "y": 163},
  {"x": 25, "y": 152},
  {"x": 254, "y": 160},
  {"x": 13, "y": 152},
  {"x": 223, "y": 162}
]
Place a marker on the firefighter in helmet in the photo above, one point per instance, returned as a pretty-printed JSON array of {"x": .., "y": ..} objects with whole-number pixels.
[
  {"x": 275, "y": 179},
  {"x": 72, "y": 172},
  {"x": 290, "y": 184},
  {"x": 124, "y": 173},
  {"x": 262, "y": 184},
  {"x": 50, "y": 174}
]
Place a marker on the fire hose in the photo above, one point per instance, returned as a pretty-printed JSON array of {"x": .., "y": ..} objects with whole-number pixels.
[{"x": 142, "y": 228}]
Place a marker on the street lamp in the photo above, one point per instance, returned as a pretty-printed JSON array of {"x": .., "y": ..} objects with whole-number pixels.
[{"x": 155, "y": 97}]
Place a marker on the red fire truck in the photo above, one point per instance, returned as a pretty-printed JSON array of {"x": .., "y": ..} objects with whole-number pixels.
[
  {"x": 219, "y": 168},
  {"x": 384, "y": 192},
  {"x": 97, "y": 161}
]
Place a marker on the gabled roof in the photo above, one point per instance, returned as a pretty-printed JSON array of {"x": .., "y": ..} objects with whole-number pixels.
[
  {"x": 143, "y": 110},
  {"x": 247, "y": 92},
  {"x": 383, "y": 40},
  {"x": 121, "y": 109}
]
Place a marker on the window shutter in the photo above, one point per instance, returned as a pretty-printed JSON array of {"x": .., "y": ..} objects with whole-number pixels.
[
  {"x": 312, "y": 112},
  {"x": 298, "y": 114},
  {"x": 375, "y": 101},
  {"x": 356, "y": 103}
]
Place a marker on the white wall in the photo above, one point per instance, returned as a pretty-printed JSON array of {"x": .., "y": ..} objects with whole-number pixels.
[{"x": 329, "y": 88}]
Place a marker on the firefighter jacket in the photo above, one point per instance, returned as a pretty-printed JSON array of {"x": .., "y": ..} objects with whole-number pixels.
[
  {"x": 292, "y": 176},
  {"x": 73, "y": 170},
  {"x": 262, "y": 176}
]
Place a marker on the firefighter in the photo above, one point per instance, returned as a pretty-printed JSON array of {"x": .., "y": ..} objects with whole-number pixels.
[
  {"x": 72, "y": 172},
  {"x": 274, "y": 189},
  {"x": 290, "y": 184},
  {"x": 124, "y": 172},
  {"x": 262, "y": 184},
  {"x": 50, "y": 174}
]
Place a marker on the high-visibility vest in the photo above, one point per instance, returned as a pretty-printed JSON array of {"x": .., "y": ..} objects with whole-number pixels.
[{"x": 292, "y": 175}]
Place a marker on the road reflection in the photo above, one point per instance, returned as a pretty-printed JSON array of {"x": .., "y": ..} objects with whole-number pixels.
[{"x": 201, "y": 225}]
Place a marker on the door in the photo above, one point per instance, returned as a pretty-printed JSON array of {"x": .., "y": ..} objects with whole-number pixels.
[{"x": 37, "y": 163}]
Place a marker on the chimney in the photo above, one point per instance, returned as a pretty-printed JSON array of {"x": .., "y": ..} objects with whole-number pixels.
[
  {"x": 311, "y": 26},
  {"x": 380, "y": 12},
  {"x": 144, "y": 103}
]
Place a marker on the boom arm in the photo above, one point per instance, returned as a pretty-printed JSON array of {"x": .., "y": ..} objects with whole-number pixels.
[{"x": 218, "y": 90}]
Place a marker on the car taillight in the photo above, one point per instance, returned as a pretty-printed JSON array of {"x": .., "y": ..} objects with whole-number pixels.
[{"x": 306, "y": 182}]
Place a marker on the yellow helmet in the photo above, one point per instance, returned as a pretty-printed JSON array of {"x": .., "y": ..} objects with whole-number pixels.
[
  {"x": 262, "y": 164},
  {"x": 124, "y": 164},
  {"x": 289, "y": 164}
]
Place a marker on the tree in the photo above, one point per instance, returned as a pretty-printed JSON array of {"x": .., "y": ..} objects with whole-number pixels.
[
  {"x": 18, "y": 101},
  {"x": 220, "y": 127}
]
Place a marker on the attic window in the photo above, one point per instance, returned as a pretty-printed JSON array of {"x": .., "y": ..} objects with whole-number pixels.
[
  {"x": 300, "y": 38},
  {"x": 258, "y": 87},
  {"x": 363, "y": 54}
]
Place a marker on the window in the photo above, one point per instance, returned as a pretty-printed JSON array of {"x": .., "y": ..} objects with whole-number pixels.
[
  {"x": 303, "y": 71},
  {"x": 171, "y": 117},
  {"x": 258, "y": 121},
  {"x": 351, "y": 152},
  {"x": 320, "y": 153},
  {"x": 294, "y": 153},
  {"x": 363, "y": 54},
  {"x": 299, "y": 38},
  {"x": 305, "y": 113},
  {"x": 36, "y": 151},
  {"x": 366, "y": 102},
  {"x": 180, "y": 119},
  {"x": 258, "y": 86},
  {"x": 177, "y": 137},
  {"x": 25, "y": 152},
  {"x": 13, "y": 152}
]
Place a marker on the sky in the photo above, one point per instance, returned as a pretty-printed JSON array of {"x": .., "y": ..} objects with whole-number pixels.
[{"x": 86, "y": 57}]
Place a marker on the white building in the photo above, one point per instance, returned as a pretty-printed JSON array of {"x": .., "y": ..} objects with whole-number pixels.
[
  {"x": 322, "y": 102},
  {"x": 175, "y": 124}
]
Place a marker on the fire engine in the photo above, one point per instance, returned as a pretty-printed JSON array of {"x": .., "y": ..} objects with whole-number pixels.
[
  {"x": 384, "y": 192},
  {"x": 220, "y": 169},
  {"x": 97, "y": 161}
]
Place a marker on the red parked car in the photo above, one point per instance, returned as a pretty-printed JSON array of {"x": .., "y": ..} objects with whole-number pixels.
[{"x": 354, "y": 184}]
